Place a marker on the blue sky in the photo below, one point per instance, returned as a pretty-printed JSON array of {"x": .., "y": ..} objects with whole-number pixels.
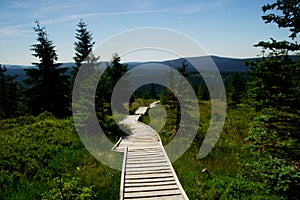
[{"x": 223, "y": 27}]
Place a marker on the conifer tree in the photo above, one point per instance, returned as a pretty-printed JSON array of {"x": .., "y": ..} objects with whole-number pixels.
[
  {"x": 236, "y": 89},
  {"x": 48, "y": 83},
  {"x": 83, "y": 47},
  {"x": 8, "y": 94},
  {"x": 275, "y": 79},
  {"x": 153, "y": 94},
  {"x": 116, "y": 70},
  {"x": 273, "y": 140},
  {"x": 203, "y": 93},
  {"x": 169, "y": 99}
]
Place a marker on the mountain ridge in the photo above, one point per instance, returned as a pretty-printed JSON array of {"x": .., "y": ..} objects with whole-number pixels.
[{"x": 224, "y": 64}]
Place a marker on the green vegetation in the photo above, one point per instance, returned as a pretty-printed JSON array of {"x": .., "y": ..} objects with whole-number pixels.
[
  {"x": 83, "y": 47},
  {"x": 42, "y": 157},
  {"x": 48, "y": 83},
  {"x": 8, "y": 95},
  {"x": 256, "y": 157}
]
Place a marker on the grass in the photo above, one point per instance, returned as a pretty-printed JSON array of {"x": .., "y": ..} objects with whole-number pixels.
[
  {"x": 36, "y": 151},
  {"x": 42, "y": 156},
  {"x": 222, "y": 162}
]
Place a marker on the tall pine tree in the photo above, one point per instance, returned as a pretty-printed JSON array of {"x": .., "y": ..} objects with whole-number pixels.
[
  {"x": 48, "y": 83},
  {"x": 83, "y": 47}
]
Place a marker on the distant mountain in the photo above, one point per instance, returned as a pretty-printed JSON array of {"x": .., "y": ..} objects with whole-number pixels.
[
  {"x": 21, "y": 74},
  {"x": 204, "y": 62}
]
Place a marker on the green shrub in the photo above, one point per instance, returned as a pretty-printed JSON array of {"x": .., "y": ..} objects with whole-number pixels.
[{"x": 69, "y": 189}]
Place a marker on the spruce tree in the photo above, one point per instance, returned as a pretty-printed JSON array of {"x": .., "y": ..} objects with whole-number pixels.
[
  {"x": 203, "y": 93},
  {"x": 153, "y": 94},
  {"x": 273, "y": 140},
  {"x": 8, "y": 94},
  {"x": 83, "y": 47},
  {"x": 169, "y": 99},
  {"x": 236, "y": 89},
  {"x": 48, "y": 83},
  {"x": 116, "y": 69},
  {"x": 275, "y": 79}
]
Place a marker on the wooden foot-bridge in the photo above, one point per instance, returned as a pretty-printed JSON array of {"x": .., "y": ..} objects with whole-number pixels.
[{"x": 147, "y": 172}]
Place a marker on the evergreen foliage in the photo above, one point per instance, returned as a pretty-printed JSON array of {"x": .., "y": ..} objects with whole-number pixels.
[
  {"x": 9, "y": 95},
  {"x": 236, "y": 89},
  {"x": 153, "y": 94},
  {"x": 203, "y": 93},
  {"x": 48, "y": 82},
  {"x": 273, "y": 140},
  {"x": 83, "y": 47}
]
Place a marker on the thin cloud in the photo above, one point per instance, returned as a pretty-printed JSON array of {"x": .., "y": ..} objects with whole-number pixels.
[
  {"x": 136, "y": 12},
  {"x": 87, "y": 15},
  {"x": 19, "y": 4},
  {"x": 198, "y": 7},
  {"x": 13, "y": 31}
]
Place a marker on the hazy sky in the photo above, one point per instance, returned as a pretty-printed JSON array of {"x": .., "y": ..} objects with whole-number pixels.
[{"x": 223, "y": 27}]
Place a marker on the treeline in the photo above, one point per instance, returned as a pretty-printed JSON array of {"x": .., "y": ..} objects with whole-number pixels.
[{"x": 49, "y": 85}]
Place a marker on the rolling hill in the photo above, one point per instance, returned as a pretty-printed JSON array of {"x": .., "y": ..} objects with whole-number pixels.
[{"x": 205, "y": 62}]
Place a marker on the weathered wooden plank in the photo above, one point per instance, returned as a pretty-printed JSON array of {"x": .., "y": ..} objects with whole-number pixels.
[
  {"x": 146, "y": 176},
  {"x": 147, "y": 172},
  {"x": 145, "y": 156},
  {"x": 146, "y": 165},
  {"x": 173, "y": 197},
  {"x": 152, "y": 193},
  {"x": 151, "y": 188},
  {"x": 150, "y": 184},
  {"x": 141, "y": 110},
  {"x": 156, "y": 159},
  {"x": 146, "y": 161},
  {"x": 149, "y": 180},
  {"x": 157, "y": 147},
  {"x": 123, "y": 176},
  {"x": 134, "y": 169}
]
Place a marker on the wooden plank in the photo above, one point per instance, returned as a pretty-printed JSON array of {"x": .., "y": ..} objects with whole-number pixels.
[
  {"x": 150, "y": 180},
  {"x": 131, "y": 156},
  {"x": 151, "y": 188},
  {"x": 150, "y": 184},
  {"x": 152, "y": 193},
  {"x": 135, "y": 169},
  {"x": 147, "y": 172},
  {"x": 146, "y": 176},
  {"x": 146, "y": 165},
  {"x": 147, "y": 161},
  {"x": 123, "y": 175},
  {"x": 146, "y": 148},
  {"x": 173, "y": 197},
  {"x": 141, "y": 110},
  {"x": 148, "y": 154}
]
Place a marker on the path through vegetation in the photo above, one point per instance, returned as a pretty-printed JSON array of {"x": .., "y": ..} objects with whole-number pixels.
[{"x": 147, "y": 172}]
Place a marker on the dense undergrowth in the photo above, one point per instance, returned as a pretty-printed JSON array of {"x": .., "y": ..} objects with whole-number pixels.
[
  {"x": 234, "y": 169},
  {"x": 43, "y": 158}
]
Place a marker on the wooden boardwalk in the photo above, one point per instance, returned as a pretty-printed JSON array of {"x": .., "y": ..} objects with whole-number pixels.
[{"x": 147, "y": 172}]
